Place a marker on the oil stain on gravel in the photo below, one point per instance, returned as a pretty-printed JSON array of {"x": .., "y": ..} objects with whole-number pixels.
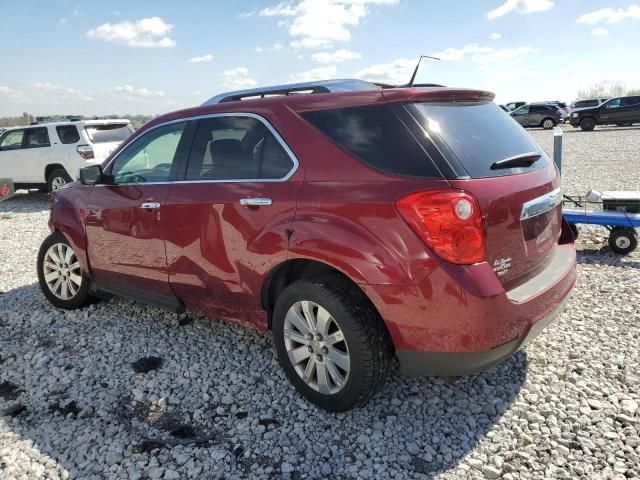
[
  {"x": 146, "y": 364},
  {"x": 9, "y": 391}
]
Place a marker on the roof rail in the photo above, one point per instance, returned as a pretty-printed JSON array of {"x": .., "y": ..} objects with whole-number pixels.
[{"x": 322, "y": 86}]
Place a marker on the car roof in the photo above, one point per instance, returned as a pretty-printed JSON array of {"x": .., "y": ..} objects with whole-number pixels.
[
  {"x": 105, "y": 121},
  {"x": 322, "y": 99}
]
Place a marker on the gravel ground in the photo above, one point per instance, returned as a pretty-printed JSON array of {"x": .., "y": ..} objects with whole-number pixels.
[{"x": 121, "y": 390}]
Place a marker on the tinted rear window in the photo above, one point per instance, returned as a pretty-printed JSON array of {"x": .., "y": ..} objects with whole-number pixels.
[
  {"x": 112, "y": 132},
  {"x": 477, "y": 135},
  {"x": 375, "y": 135}
]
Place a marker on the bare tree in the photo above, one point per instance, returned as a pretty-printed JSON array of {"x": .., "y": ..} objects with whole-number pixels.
[{"x": 602, "y": 89}]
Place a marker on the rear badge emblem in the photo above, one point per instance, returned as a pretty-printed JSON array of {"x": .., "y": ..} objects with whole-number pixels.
[{"x": 502, "y": 266}]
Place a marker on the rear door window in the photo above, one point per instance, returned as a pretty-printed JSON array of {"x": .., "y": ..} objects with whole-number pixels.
[
  {"x": 630, "y": 101},
  {"x": 36, "y": 138},
  {"x": 68, "y": 134},
  {"x": 12, "y": 140},
  {"x": 375, "y": 135},
  {"x": 235, "y": 148},
  {"x": 477, "y": 135}
]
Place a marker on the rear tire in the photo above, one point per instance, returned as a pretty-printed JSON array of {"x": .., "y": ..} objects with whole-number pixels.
[
  {"x": 61, "y": 280},
  {"x": 334, "y": 307},
  {"x": 574, "y": 229},
  {"x": 587, "y": 124},
  {"x": 548, "y": 123},
  {"x": 58, "y": 177},
  {"x": 623, "y": 240}
]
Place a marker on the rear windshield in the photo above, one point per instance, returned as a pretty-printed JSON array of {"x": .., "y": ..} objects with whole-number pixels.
[
  {"x": 112, "y": 132},
  {"x": 477, "y": 135}
]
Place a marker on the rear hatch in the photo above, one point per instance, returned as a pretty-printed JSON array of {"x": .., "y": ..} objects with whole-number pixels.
[
  {"x": 492, "y": 157},
  {"x": 105, "y": 137}
]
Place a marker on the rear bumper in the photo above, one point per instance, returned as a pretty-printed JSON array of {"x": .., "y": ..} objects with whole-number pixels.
[
  {"x": 461, "y": 321},
  {"x": 455, "y": 364}
]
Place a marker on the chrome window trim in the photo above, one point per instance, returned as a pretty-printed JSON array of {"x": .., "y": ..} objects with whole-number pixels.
[
  {"x": 541, "y": 205},
  {"x": 260, "y": 118}
]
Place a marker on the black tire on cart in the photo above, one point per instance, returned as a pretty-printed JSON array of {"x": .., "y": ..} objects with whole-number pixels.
[
  {"x": 623, "y": 240},
  {"x": 574, "y": 229}
]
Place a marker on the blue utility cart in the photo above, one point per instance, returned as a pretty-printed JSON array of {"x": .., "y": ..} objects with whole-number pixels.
[{"x": 619, "y": 212}]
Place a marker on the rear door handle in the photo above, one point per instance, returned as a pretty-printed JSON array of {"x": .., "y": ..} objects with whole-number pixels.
[
  {"x": 150, "y": 205},
  {"x": 255, "y": 202}
]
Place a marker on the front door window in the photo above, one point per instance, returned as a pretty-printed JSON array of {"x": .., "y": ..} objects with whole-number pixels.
[{"x": 150, "y": 158}]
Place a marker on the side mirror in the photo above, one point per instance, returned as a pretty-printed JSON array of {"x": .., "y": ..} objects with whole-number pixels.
[{"x": 93, "y": 175}]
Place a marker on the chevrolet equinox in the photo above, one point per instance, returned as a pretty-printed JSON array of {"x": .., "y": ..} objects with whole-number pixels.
[{"x": 354, "y": 221}]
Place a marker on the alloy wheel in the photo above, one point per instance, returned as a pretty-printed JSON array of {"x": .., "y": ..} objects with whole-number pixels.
[
  {"x": 62, "y": 271},
  {"x": 316, "y": 347},
  {"x": 57, "y": 183}
]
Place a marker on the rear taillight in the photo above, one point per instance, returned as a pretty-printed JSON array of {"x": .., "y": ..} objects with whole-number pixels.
[
  {"x": 85, "y": 151},
  {"x": 448, "y": 221}
]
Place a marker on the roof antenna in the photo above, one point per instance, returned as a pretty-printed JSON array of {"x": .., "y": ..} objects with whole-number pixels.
[{"x": 415, "y": 72}]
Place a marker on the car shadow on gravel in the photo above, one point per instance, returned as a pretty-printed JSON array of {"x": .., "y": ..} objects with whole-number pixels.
[
  {"x": 70, "y": 397},
  {"x": 26, "y": 202}
]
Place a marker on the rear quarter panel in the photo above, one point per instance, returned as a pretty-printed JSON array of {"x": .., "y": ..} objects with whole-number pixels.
[{"x": 354, "y": 227}]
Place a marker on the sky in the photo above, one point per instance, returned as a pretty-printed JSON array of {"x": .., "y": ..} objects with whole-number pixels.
[{"x": 151, "y": 57}]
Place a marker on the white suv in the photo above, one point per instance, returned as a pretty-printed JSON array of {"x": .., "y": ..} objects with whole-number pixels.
[{"x": 47, "y": 155}]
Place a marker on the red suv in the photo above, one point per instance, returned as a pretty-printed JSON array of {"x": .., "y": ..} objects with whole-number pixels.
[{"x": 354, "y": 221}]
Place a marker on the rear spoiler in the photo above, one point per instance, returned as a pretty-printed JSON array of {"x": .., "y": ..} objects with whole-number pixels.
[{"x": 436, "y": 95}]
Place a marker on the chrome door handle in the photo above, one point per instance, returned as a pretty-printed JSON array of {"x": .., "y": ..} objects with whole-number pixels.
[
  {"x": 150, "y": 205},
  {"x": 255, "y": 202}
]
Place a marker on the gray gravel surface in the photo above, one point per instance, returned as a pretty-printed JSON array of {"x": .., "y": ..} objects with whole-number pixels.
[{"x": 210, "y": 400}]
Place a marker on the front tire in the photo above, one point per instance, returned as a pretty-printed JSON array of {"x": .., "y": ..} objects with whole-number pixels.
[
  {"x": 57, "y": 178},
  {"x": 548, "y": 123},
  {"x": 61, "y": 280},
  {"x": 623, "y": 240},
  {"x": 587, "y": 124},
  {"x": 331, "y": 343}
]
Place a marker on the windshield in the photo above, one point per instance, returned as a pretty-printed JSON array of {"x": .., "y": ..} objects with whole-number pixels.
[
  {"x": 477, "y": 135},
  {"x": 110, "y": 132}
]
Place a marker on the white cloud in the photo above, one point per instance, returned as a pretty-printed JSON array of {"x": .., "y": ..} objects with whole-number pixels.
[
  {"x": 520, "y": 6},
  {"x": 320, "y": 73},
  {"x": 139, "y": 92},
  {"x": 4, "y": 89},
  {"x": 237, "y": 79},
  {"x": 276, "y": 47},
  {"x": 320, "y": 23},
  {"x": 203, "y": 58},
  {"x": 146, "y": 32},
  {"x": 43, "y": 98},
  {"x": 495, "y": 36},
  {"x": 609, "y": 15},
  {"x": 394, "y": 73},
  {"x": 338, "y": 56},
  {"x": 248, "y": 14},
  {"x": 457, "y": 54},
  {"x": 598, "y": 32},
  {"x": 503, "y": 55}
]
